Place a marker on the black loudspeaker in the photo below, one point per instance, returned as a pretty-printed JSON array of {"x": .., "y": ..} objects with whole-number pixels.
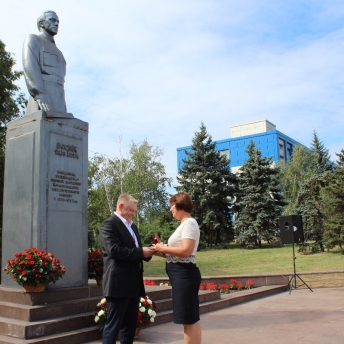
[{"x": 291, "y": 229}]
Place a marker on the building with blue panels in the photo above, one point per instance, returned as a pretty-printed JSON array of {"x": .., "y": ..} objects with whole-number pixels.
[{"x": 271, "y": 142}]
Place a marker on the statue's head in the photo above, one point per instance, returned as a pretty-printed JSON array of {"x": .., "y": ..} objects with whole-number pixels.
[{"x": 48, "y": 21}]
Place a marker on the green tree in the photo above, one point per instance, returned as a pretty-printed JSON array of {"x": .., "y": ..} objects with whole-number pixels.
[
  {"x": 333, "y": 205},
  {"x": 259, "y": 202},
  {"x": 206, "y": 176},
  {"x": 140, "y": 174},
  {"x": 10, "y": 105},
  {"x": 322, "y": 154},
  {"x": 146, "y": 180},
  {"x": 98, "y": 208},
  {"x": 301, "y": 167}
]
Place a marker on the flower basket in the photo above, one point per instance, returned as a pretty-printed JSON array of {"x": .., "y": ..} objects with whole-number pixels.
[
  {"x": 101, "y": 313},
  {"x": 33, "y": 268},
  {"x": 99, "y": 280},
  {"x": 95, "y": 263},
  {"x": 146, "y": 313},
  {"x": 34, "y": 289},
  {"x": 145, "y": 316}
]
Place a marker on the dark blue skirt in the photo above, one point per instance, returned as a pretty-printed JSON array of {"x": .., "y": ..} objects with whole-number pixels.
[{"x": 185, "y": 279}]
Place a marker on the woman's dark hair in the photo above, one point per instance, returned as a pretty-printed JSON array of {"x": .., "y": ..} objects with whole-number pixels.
[{"x": 182, "y": 201}]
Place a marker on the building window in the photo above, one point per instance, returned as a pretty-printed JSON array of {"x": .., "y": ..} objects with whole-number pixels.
[
  {"x": 225, "y": 152},
  {"x": 289, "y": 151},
  {"x": 281, "y": 149}
]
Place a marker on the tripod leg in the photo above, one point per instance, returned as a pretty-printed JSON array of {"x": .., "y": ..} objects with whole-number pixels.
[
  {"x": 290, "y": 284},
  {"x": 304, "y": 283}
]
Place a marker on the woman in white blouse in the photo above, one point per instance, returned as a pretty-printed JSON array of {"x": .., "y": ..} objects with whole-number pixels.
[{"x": 181, "y": 267}]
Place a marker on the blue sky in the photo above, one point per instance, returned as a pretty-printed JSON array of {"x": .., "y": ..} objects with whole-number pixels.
[{"x": 156, "y": 69}]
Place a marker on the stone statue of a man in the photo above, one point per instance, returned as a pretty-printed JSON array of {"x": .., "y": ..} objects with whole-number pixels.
[{"x": 45, "y": 69}]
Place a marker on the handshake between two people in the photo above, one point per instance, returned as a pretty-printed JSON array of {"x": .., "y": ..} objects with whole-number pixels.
[{"x": 155, "y": 249}]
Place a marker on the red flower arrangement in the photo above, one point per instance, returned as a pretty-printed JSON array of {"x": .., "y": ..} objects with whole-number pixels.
[
  {"x": 224, "y": 288},
  {"x": 208, "y": 286},
  {"x": 249, "y": 284},
  {"x": 34, "y": 267},
  {"x": 203, "y": 286},
  {"x": 148, "y": 282},
  {"x": 95, "y": 262},
  {"x": 211, "y": 286},
  {"x": 233, "y": 284}
]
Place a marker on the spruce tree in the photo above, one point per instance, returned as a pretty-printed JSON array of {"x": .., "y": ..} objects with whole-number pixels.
[
  {"x": 259, "y": 202},
  {"x": 309, "y": 201},
  {"x": 322, "y": 154},
  {"x": 333, "y": 196},
  {"x": 206, "y": 176},
  {"x": 309, "y": 206}
]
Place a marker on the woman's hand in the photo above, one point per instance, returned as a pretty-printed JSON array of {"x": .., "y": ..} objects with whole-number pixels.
[
  {"x": 158, "y": 246},
  {"x": 160, "y": 254},
  {"x": 158, "y": 249}
]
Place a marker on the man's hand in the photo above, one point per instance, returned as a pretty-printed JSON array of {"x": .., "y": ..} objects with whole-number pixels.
[{"x": 148, "y": 251}]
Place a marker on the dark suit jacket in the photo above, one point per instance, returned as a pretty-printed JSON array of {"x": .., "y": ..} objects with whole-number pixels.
[{"x": 123, "y": 266}]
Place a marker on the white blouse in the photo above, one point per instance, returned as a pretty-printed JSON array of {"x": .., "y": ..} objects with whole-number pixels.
[{"x": 187, "y": 230}]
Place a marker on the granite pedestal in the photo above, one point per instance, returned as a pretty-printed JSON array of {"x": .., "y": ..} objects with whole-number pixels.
[{"x": 45, "y": 193}]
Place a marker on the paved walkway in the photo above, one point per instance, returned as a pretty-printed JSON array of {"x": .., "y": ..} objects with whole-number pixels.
[{"x": 303, "y": 317}]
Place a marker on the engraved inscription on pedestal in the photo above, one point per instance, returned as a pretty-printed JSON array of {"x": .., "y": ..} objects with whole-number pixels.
[
  {"x": 65, "y": 177},
  {"x": 66, "y": 187}
]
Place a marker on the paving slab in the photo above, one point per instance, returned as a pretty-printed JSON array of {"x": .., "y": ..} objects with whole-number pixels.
[{"x": 302, "y": 317}]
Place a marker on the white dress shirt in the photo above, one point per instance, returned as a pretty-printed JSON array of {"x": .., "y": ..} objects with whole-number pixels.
[{"x": 128, "y": 225}]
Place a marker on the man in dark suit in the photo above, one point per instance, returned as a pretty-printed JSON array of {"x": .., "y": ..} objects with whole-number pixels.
[{"x": 123, "y": 271}]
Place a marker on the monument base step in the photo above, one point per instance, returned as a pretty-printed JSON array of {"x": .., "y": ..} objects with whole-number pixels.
[
  {"x": 213, "y": 301},
  {"x": 71, "y": 337},
  {"x": 224, "y": 300},
  {"x": 78, "y": 328}
]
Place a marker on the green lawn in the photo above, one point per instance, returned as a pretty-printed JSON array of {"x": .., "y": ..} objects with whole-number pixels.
[{"x": 237, "y": 261}]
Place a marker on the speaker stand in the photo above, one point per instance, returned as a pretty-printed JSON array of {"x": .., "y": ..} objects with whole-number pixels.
[{"x": 292, "y": 281}]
